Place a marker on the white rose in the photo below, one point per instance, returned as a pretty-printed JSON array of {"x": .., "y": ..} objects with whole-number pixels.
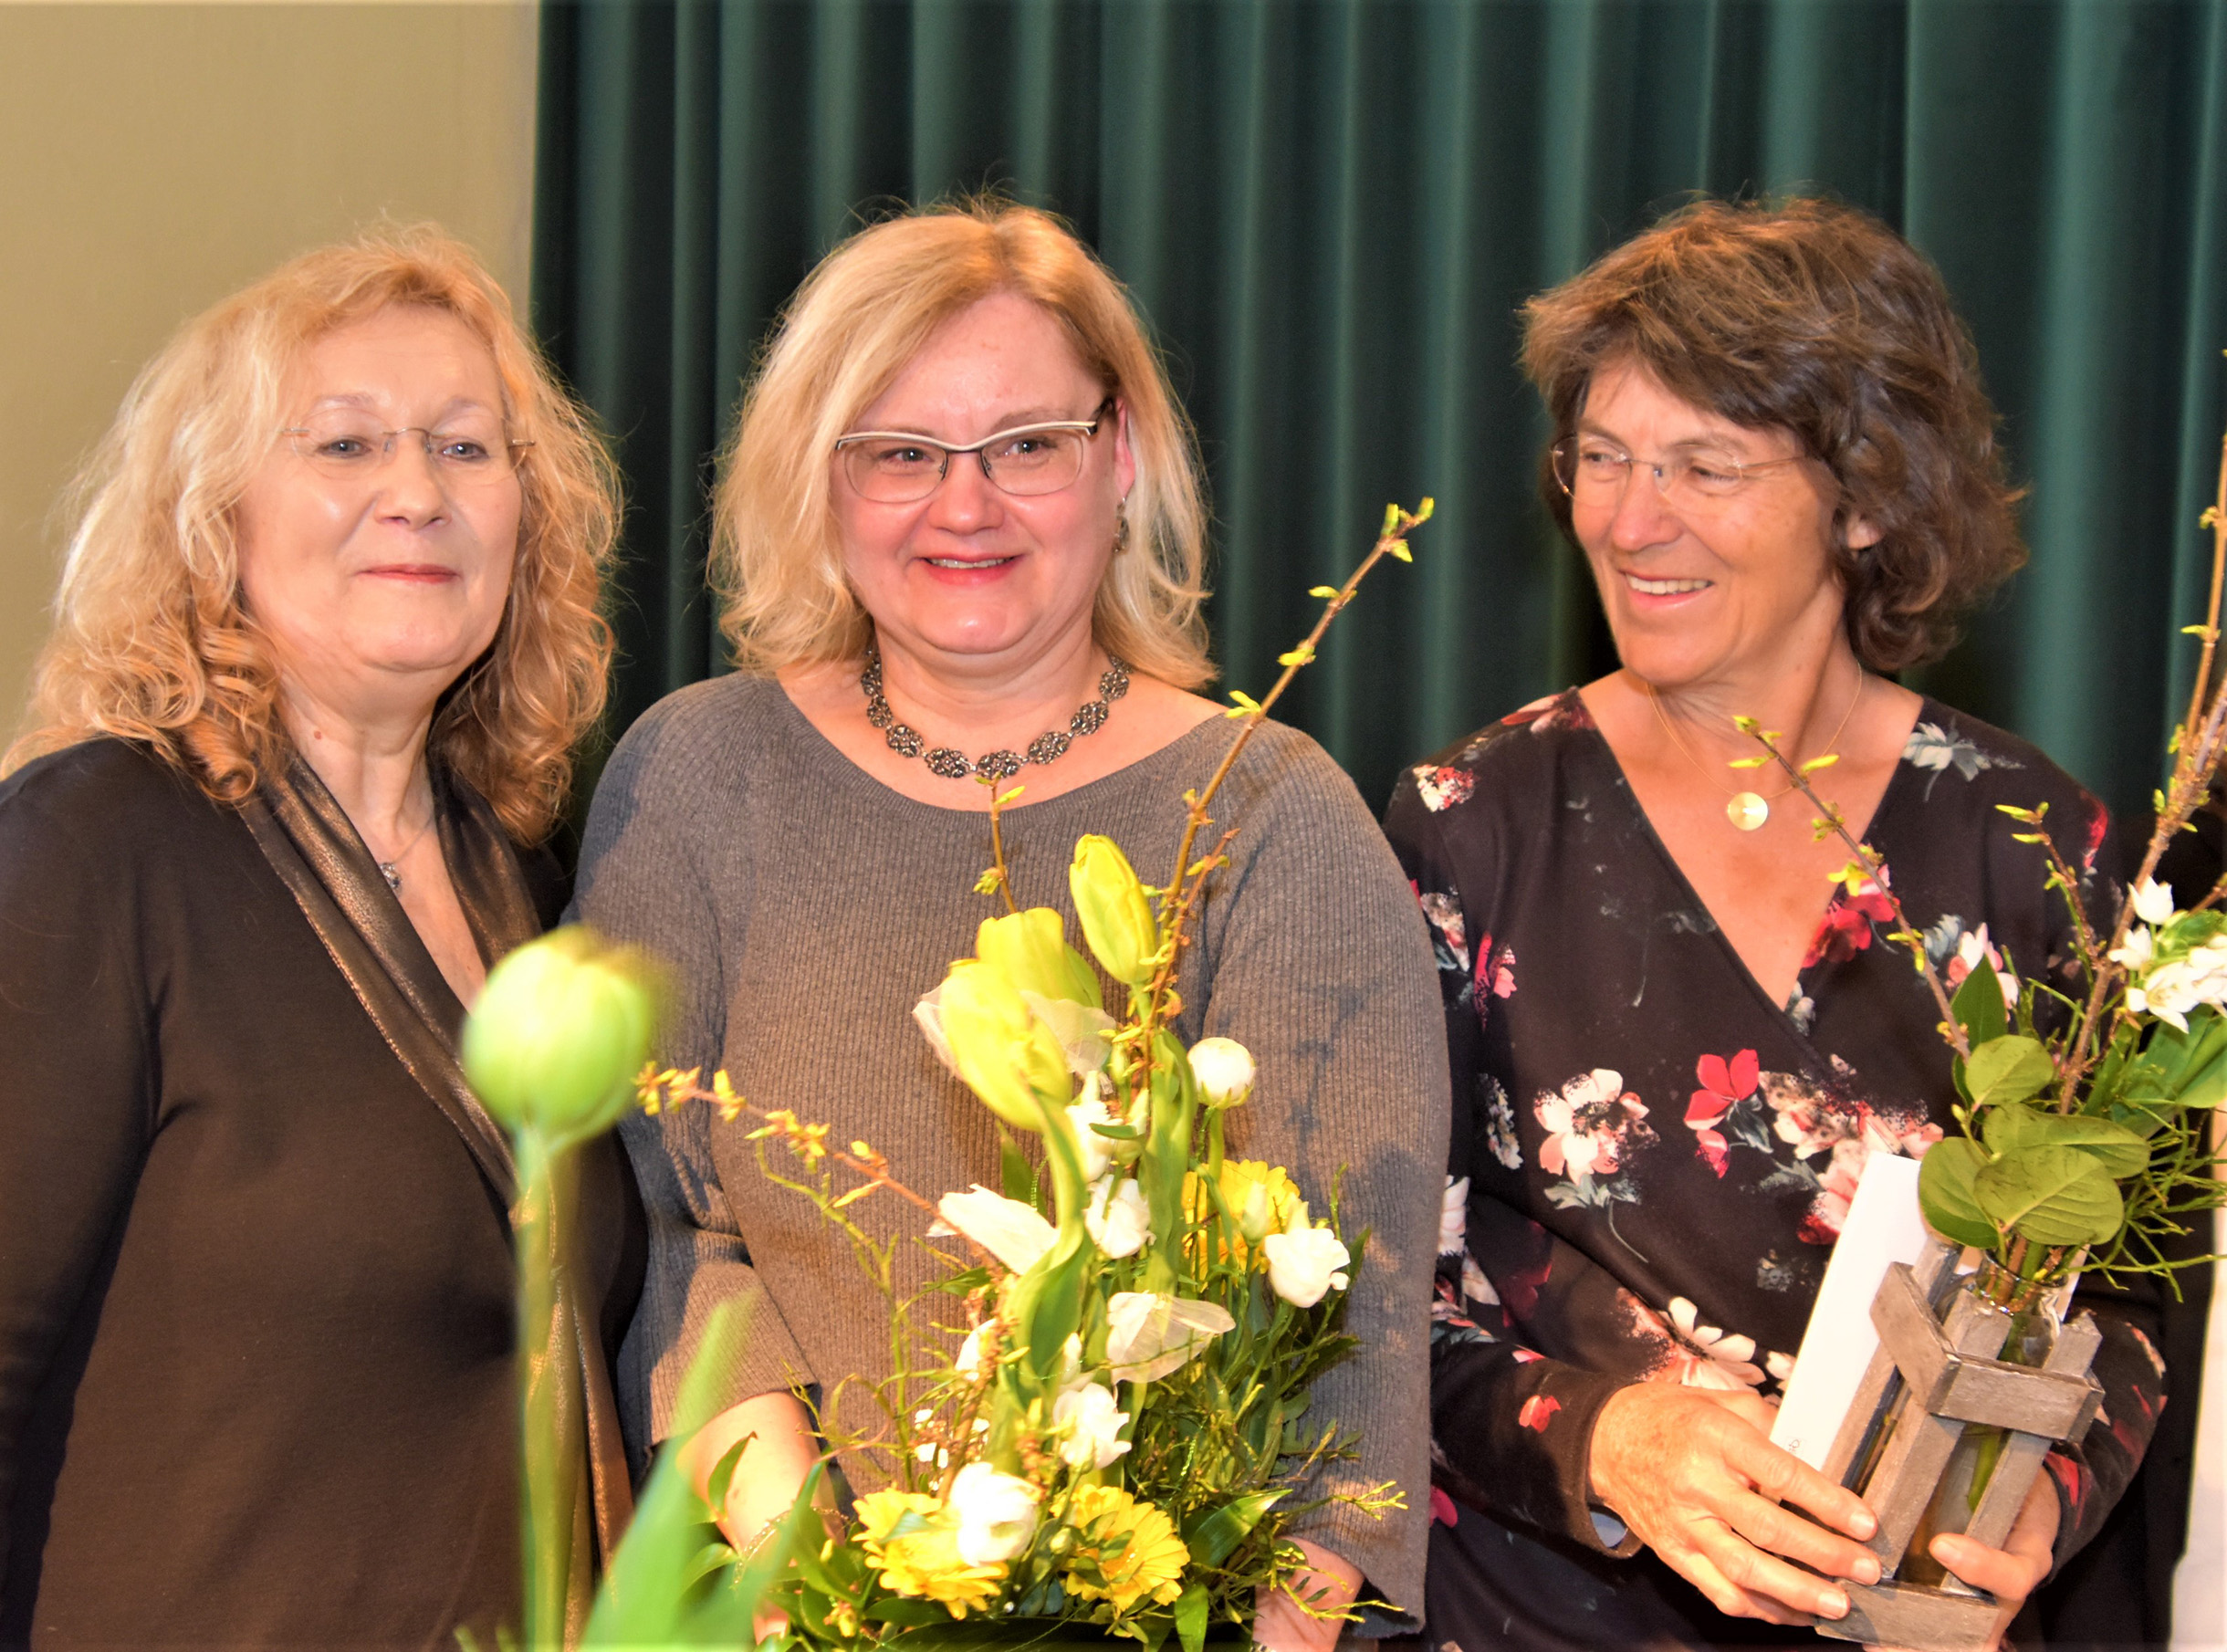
[
  {"x": 1303, "y": 1266},
  {"x": 1117, "y": 1217},
  {"x": 996, "y": 1514},
  {"x": 1225, "y": 1071},
  {"x": 1092, "y": 1424},
  {"x": 1150, "y": 1335},
  {"x": 1009, "y": 1230}
]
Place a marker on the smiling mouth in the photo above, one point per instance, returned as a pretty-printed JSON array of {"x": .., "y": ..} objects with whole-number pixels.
[
  {"x": 967, "y": 564},
  {"x": 1664, "y": 588}
]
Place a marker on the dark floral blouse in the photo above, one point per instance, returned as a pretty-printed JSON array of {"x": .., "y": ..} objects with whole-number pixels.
[{"x": 1651, "y": 1160}]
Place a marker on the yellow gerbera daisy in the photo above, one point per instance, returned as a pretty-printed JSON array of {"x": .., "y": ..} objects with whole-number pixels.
[
  {"x": 924, "y": 1561},
  {"x": 1128, "y": 1551}
]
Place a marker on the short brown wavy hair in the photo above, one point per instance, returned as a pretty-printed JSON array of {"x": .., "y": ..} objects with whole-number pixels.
[
  {"x": 1816, "y": 318},
  {"x": 151, "y": 642},
  {"x": 850, "y": 329}
]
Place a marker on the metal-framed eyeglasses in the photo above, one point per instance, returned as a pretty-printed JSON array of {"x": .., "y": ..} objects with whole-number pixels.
[
  {"x": 348, "y": 446},
  {"x": 899, "y": 466},
  {"x": 1598, "y": 471}
]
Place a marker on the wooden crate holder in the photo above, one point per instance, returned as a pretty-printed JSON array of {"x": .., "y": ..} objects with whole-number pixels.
[{"x": 1949, "y": 1385}]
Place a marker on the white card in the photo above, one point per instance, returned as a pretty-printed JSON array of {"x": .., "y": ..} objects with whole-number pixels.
[{"x": 1883, "y": 1228}]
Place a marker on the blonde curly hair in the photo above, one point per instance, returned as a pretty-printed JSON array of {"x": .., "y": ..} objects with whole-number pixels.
[
  {"x": 776, "y": 560},
  {"x": 151, "y": 640}
]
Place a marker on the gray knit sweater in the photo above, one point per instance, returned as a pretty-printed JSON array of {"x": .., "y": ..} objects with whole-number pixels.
[{"x": 807, "y": 907}]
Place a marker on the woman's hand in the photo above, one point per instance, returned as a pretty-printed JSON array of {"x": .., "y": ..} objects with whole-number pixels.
[
  {"x": 1694, "y": 1474},
  {"x": 766, "y": 1477},
  {"x": 2011, "y": 1573},
  {"x": 1328, "y": 1583}
]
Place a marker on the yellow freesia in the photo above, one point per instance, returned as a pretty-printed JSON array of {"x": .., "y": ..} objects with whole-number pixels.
[
  {"x": 1260, "y": 1199},
  {"x": 1126, "y": 1552},
  {"x": 922, "y": 1559},
  {"x": 1117, "y": 919}
]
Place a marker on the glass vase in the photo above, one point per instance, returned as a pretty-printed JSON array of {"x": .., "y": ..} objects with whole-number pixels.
[{"x": 2031, "y": 1314}]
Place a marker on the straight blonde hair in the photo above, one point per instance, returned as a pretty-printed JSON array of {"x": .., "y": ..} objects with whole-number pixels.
[
  {"x": 151, "y": 641},
  {"x": 776, "y": 560}
]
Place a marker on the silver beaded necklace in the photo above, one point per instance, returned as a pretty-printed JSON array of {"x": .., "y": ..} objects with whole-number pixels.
[{"x": 954, "y": 764}]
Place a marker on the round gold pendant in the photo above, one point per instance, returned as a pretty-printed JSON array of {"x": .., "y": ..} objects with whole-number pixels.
[{"x": 1746, "y": 810}]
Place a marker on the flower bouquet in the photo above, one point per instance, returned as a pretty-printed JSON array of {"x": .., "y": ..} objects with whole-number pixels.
[
  {"x": 2085, "y": 1140},
  {"x": 1104, "y": 1433}
]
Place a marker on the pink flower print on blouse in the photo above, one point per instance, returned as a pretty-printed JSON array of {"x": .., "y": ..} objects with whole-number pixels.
[
  {"x": 1590, "y": 1124},
  {"x": 1549, "y": 712},
  {"x": 1538, "y": 1412},
  {"x": 1442, "y": 787},
  {"x": 1690, "y": 1353},
  {"x": 1843, "y": 1131},
  {"x": 1725, "y": 1084},
  {"x": 1972, "y": 946},
  {"x": 1846, "y": 928}
]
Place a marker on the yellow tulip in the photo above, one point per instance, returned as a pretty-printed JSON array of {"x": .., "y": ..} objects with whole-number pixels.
[
  {"x": 1004, "y": 1053},
  {"x": 1029, "y": 949},
  {"x": 1117, "y": 919},
  {"x": 561, "y": 1028}
]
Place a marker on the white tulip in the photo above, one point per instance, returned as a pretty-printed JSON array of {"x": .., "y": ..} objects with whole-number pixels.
[
  {"x": 1150, "y": 1335},
  {"x": 928, "y": 1016},
  {"x": 1092, "y": 1424},
  {"x": 968, "y": 1362},
  {"x": 2153, "y": 900},
  {"x": 996, "y": 1514},
  {"x": 1096, "y": 1151},
  {"x": 1080, "y": 1029},
  {"x": 1225, "y": 1071},
  {"x": 1009, "y": 1230},
  {"x": 1117, "y": 1218},
  {"x": 1303, "y": 1266}
]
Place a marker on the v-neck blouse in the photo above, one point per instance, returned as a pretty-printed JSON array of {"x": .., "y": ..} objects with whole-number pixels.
[{"x": 1650, "y": 1158}]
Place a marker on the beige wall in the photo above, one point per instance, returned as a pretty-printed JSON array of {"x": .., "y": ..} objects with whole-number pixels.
[{"x": 154, "y": 157}]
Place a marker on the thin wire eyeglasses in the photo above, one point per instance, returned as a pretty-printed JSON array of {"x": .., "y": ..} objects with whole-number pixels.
[
  {"x": 1596, "y": 470},
  {"x": 349, "y": 446},
  {"x": 899, "y": 466}
]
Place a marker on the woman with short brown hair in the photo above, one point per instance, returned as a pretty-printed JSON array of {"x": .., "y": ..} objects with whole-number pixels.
[
  {"x": 328, "y": 633},
  {"x": 1676, "y": 1041}
]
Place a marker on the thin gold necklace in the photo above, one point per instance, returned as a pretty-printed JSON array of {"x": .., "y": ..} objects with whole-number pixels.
[{"x": 1748, "y": 810}]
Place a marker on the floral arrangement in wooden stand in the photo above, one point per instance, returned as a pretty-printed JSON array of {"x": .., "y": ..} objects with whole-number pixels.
[{"x": 2084, "y": 1141}]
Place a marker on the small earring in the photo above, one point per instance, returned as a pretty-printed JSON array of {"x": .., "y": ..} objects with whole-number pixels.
[{"x": 1121, "y": 533}]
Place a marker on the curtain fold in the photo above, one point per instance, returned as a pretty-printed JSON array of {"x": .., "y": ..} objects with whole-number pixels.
[{"x": 1329, "y": 209}]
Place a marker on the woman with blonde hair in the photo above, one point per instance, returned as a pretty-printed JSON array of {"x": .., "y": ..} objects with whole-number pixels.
[
  {"x": 327, "y": 633},
  {"x": 959, "y": 538}
]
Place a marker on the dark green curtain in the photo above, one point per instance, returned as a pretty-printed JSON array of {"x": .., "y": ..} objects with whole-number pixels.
[{"x": 1329, "y": 209}]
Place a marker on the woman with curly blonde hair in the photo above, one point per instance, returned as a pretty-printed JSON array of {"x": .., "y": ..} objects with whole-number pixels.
[{"x": 327, "y": 632}]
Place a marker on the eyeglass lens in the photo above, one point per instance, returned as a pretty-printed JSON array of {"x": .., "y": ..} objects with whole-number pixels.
[
  {"x": 344, "y": 442},
  {"x": 893, "y": 470},
  {"x": 1594, "y": 470}
]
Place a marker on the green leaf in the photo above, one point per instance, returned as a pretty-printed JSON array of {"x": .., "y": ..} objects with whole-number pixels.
[
  {"x": 911, "y": 1614},
  {"x": 1945, "y": 1177},
  {"x": 1019, "y": 1175},
  {"x": 2053, "y": 1196},
  {"x": 1191, "y": 1617},
  {"x": 2008, "y": 1069},
  {"x": 2013, "y": 1129},
  {"x": 1212, "y": 1534},
  {"x": 1978, "y": 1006}
]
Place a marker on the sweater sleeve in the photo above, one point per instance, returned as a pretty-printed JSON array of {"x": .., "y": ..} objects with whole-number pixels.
[
  {"x": 77, "y": 1096},
  {"x": 643, "y": 878},
  {"x": 1319, "y": 965},
  {"x": 1512, "y": 1429}
]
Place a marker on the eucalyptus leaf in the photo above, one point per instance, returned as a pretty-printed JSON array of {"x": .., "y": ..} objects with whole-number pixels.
[
  {"x": 2008, "y": 1069},
  {"x": 2052, "y": 1196},
  {"x": 2121, "y": 1152},
  {"x": 1945, "y": 1197}
]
